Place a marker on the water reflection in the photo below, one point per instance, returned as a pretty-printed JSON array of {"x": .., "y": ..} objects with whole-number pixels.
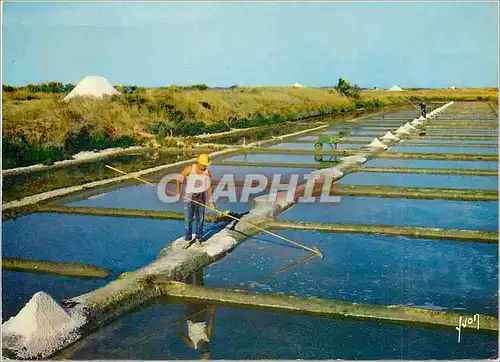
[
  {"x": 199, "y": 322},
  {"x": 326, "y": 161},
  {"x": 19, "y": 186}
]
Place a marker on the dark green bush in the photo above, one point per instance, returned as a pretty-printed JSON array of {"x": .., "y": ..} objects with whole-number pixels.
[
  {"x": 85, "y": 141},
  {"x": 19, "y": 153},
  {"x": 8, "y": 88},
  {"x": 160, "y": 130}
]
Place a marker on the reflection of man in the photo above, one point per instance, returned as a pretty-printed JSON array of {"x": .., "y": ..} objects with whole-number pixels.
[{"x": 198, "y": 334}]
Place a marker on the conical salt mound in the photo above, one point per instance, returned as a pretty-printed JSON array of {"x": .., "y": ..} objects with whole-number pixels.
[
  {"x": 36, "y": 326},
  {"x": 409, "y": 127},
  {"x": 389, "y": 136},
  {"x": 395, "y": 88},
  {"x": 422, "y": 118},
  {"x": 402, "y": 130},
  {"x": 377, "y": 144},
  {"x": 92, "y": 86}
]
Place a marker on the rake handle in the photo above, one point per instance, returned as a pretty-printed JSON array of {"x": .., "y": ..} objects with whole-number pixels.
[{"x": 317, "y": 251}]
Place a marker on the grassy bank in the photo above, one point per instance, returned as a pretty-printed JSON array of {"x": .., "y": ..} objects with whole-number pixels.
[{"x": 38, "y": 127}]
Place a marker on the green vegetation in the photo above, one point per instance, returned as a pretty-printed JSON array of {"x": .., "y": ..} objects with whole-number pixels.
[{"x": 39, "y": 127}]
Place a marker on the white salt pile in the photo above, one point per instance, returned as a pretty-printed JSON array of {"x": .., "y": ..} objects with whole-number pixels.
[
  {"x": 402, "y": 130},
  {"x": 389, "y": 137},
  {"x": 40, "y": 328},
  {"x": 377, "y": 144},
  {"x": 409, "y": 127},
  {"x": 93, "y": 86}
]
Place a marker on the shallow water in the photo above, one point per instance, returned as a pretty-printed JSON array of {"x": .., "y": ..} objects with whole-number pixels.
[
  {"x": 458, "y": 142},
  {"x": 421, "y": 180},
  {"x": 443, "y": 149},
  {"x": 145, "y": 197},
  {"x": 364, "y": 268},
  {"x": 474, "y": 215},
  {"x": 19, "y": 186},
  {"x": 117, "y": 243},
  {"x": 270, "y": 157},
  {"x": 310, "y": 146},
  {"x": 328, "y": 160},
  {"x": 471, "y": 165},
  {"x": 243, "y": 334},
  {"x": 441, "y": 275},
  {"x": 461, "y": 132}
]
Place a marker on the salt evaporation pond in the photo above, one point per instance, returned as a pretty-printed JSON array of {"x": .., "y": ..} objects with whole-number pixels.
[
  {"x": 473, "y": 215},
  {"x": 244, "y": 334},
  {"x": 144, "y": 197},
  {"x": 117, "y": 243},
  {"x": 421, "y": 180},
  {"x": 443, "y": 149},
  {"x": 248, "y": 334},
  {"x": 378, "y": 162},
  {"x": 276, "y": 157},
  {"x": 375, "y": 269},
  {"x": 442, "y": 275},
  {"x": 310, "y": 146},
  {"x": 458, "y": 142},
  {"x": 415, "y": 163}
]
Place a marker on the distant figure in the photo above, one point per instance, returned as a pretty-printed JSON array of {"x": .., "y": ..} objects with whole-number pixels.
[
  {"x": 423, "y": 109},
  {"x": 196, "y": 320}
]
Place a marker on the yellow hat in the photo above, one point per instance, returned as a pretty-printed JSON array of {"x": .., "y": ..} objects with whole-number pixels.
[{"x": 204, "y": 159}]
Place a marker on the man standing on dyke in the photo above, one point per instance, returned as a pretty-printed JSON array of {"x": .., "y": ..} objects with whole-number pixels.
[{"x": 197, "y": 180}]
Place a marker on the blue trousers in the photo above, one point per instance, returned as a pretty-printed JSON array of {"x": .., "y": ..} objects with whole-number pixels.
[{"x": 196, "y": 213}]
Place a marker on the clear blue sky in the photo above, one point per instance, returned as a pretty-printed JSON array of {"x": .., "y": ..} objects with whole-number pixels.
[{"x": 218, "y": 43}]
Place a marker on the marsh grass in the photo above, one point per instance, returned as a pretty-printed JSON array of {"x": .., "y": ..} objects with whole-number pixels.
[{"x": 39, "y": 127}]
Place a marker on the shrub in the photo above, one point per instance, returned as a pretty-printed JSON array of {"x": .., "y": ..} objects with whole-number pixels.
[
  {"x": 343, "y": 86},
  {"x": 8, "y": 88},
  {"x": 19, "y": 153},
  {"x": 160, "y": 130},
  {"x": 201, "y": 87}
]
